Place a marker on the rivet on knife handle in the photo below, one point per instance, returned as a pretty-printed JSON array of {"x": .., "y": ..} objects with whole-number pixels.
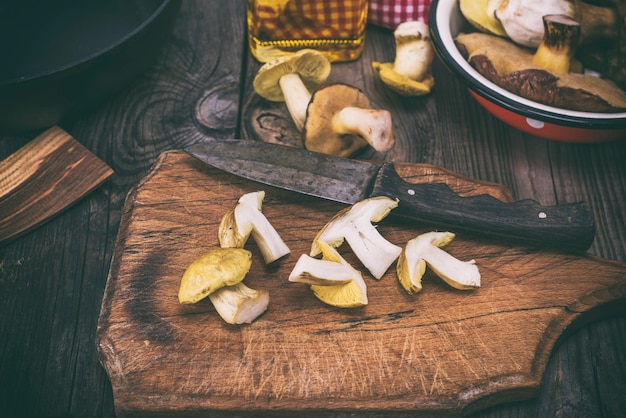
[{"x": 568, "y": 227}]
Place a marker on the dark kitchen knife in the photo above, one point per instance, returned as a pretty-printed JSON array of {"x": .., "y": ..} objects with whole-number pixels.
[{"x": 568, "y": 227}]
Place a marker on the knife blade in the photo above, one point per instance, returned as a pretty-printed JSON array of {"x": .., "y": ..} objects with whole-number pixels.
[{"x": 567, "y": 227}]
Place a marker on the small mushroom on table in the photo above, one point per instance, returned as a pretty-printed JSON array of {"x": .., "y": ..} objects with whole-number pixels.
[
  {"x": 291, "y": 79},
  {"x": 409, "y": 74},
  {"x": 340, "y": 121},
  {"x": 544, "y": 75}
]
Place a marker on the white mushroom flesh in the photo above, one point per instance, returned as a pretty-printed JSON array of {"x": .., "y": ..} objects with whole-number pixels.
[
  {"x": 459, "y": 274},
  {"x": 248, "y": 219},
  {"x": 239, "y": 304},
  {"x": 523, "y": 19},
  {"x": 354, "y": 225},
  {"x": 373, "y": 125},
  {"x": 297, "y": 97}
]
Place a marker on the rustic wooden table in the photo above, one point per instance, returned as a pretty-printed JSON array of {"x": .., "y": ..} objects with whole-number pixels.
[{"x": 52, "y": 279}]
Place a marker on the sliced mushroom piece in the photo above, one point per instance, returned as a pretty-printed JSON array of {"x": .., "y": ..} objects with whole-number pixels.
[
  {"x": 245, "y": 219},
  {"x": 522, "y": 19},
  {"x": 330, "y": 270},
  {"x": 340, "y": 121},
  {"x": 217, "y": 268},
  {"x": 239, "y": 304},
  {"x": 512, "y": 68},
  {"x": 409, "y": 74},
  {"x": 291, "y": 79},
  {"x": 354, "y": 225},
  {"x": 426, "y": 249},
  {"x": 333, "y": 280}
]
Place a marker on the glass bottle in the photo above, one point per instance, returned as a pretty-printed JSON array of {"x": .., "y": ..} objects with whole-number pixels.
[{"x": 333, "y": 27}]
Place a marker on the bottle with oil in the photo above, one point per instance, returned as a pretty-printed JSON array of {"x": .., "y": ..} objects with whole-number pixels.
[{"x": 280, "y": 27}]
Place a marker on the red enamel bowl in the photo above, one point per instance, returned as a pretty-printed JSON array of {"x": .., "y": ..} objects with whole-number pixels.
[{"x": 446, "y": 21}]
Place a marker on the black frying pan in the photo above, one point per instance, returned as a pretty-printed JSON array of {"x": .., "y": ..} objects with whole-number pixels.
[{"x": 60, "y": 57}]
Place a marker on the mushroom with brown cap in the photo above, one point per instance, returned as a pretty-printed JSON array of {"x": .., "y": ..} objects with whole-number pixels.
[
  {"x": 291, "y": 79},
  {"x": 409, "y": 74},
  {"x": 340, "y": 121},
  {"x": 533, "y": 75}
]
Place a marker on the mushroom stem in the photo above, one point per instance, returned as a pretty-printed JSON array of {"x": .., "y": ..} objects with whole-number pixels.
[
  {"x": 414, "y": 51},
  {"x": 239, "y": 304},
  {"x": 373, "y": 125},
  {"x": 297, "y": 97},
  {"x": 560, "y": 40}
]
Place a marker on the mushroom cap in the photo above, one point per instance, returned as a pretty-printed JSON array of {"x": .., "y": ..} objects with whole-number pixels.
[
  {"x": 215, "y": 269},
  {"x": 325, "y": 103},
  {"x": 312, "y": 66},
  {"x": 401, "y": 84}
]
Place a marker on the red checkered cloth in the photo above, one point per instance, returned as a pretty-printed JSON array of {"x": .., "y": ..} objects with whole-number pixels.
[
  {"x": 308, "y": 19},
  {"x": 390, "y": 13}
]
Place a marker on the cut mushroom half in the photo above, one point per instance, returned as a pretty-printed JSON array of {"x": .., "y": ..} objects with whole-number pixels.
[
  {"x": 409, "y": 74},
  {"x": 291, "y": 79},
  {"x": 333, "y": 280},
  {"x": 245, "y": 219},
  {"x": 340, "y": 121},
  {"x": 427, "y": 250},
  {"x": 354, "y": 225},
  {"x": 239, "y": 304},
  {"x": 330, "y": 270}
]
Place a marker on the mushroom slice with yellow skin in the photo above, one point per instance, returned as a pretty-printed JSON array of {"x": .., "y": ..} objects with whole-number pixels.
[
  {"x": 291, "y": 78},
  {"x": 426, "y": 249},
  {"x": 354, "y": 225},
  {"x": 409, "y": 74},
  {"x": 217, "y": 268},
  {"x": 340, "y": 121},
  {"x": 350, "y": 294},
  {"x": 246, "y": 219},
  {"x": 330, "y": 270},
  {"x": 239, "y": 304}
]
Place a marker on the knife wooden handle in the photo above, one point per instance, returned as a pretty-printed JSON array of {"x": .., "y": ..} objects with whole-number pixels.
[{"x": 568, "y": 228}]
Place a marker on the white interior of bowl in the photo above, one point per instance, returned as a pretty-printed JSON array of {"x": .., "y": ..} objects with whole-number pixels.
[{"x": 449, "y": 23}]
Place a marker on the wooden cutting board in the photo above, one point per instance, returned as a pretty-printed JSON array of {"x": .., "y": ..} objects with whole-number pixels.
[{"x": 441, "y": 351}]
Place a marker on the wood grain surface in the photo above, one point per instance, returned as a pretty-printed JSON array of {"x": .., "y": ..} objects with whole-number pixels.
[
  {"x": 43, "y": 178},
  {"x": 441, "y": 351},
  {"x": 52, "y": 279}
]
